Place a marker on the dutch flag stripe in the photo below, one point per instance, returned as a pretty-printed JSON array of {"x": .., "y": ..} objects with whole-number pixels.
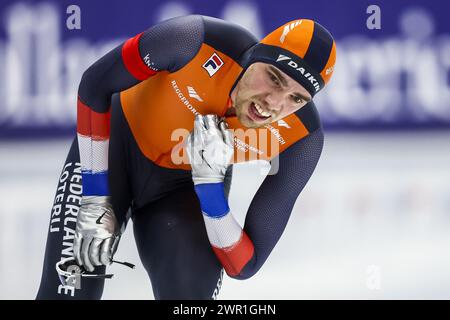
[{"x": 223, "y": 232}]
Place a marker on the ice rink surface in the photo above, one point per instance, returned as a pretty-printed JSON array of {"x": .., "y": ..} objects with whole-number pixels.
[{"x": 372, "y": 223}]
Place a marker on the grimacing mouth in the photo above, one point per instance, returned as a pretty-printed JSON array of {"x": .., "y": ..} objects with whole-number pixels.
[{"x": 273, "y": 116}]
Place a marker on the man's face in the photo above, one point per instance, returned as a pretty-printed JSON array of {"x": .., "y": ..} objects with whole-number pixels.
[{"x": 266, "y": 94}]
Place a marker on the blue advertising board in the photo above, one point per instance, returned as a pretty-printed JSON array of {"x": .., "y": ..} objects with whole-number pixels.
[{"x": 394, "y": 76}]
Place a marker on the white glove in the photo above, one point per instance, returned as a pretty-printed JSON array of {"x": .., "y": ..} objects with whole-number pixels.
[
  {"x": 210, "y": 149},
  {"x": 97, "y": 232}
]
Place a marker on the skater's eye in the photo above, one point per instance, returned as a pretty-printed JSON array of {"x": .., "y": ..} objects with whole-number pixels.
[
  {"x": 297, "y": 99},
  {"x": 274, "y": 79}
]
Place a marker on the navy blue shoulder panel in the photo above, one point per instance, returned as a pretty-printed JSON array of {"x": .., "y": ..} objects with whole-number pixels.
[
  {"x": 227, "y": 37},
  {"x": 104, "y": 77},
  {"x": 171, "y": 44},
  {"x": 309, "y": 116}
]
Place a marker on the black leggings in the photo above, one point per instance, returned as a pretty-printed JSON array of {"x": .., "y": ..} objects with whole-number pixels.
[{"x": 168, "y": 225}]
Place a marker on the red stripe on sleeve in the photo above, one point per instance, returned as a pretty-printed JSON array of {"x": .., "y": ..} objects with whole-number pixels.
[
  {"x": 133, "y": 61},
  {"x": 91, "y": 123},
  {"x": 233, "y": 259}
]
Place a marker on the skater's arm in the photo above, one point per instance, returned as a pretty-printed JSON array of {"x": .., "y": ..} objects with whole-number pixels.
[{"x": 167, "y": 46}]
